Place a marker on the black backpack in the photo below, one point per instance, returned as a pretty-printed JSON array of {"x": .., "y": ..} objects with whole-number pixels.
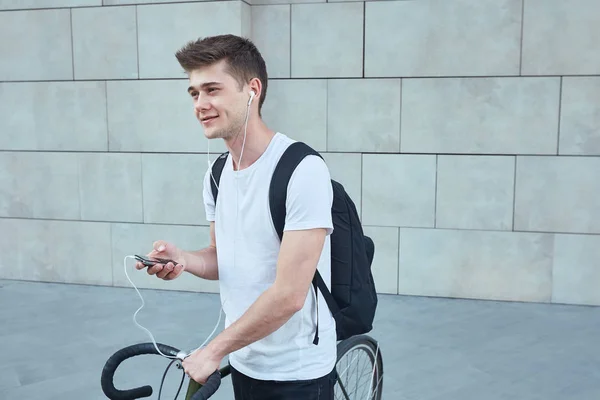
[{"x": 353, "y": 297}]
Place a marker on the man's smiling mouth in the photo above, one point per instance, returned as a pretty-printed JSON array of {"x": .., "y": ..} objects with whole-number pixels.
[{"x": 206, "y": 119}]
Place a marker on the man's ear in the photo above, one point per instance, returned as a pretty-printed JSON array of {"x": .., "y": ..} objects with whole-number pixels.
[{"x": 256, "y": 86}]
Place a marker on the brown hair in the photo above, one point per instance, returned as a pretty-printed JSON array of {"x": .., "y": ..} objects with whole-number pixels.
[{"x": 244, "y": 61}]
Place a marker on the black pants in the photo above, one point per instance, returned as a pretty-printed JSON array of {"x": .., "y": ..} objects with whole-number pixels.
[{"x": 246, "y": 388}]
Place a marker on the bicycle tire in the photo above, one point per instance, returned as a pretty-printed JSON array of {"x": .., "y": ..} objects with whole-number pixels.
[{"x": 371, "y": 347}]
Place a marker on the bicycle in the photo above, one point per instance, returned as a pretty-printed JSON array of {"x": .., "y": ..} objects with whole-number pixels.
[{"x": 195, "y": 391}]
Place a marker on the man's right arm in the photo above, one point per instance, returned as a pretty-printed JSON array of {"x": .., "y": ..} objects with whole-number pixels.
[{"x": 203, "y": 263}]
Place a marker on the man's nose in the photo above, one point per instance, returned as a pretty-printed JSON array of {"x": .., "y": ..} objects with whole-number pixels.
[{"x": 201, "y": 104}]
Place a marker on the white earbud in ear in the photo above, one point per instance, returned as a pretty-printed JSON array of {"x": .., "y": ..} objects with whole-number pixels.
[{"x": 252, "y": 94}]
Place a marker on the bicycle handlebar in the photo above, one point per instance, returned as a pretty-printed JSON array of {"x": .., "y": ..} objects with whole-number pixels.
[
  {"x": 209, "y": 388},
  {"x": 111, "y": 365}
]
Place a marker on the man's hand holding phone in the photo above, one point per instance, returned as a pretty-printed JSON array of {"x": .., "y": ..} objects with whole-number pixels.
[{"x": 166, "y": 261}]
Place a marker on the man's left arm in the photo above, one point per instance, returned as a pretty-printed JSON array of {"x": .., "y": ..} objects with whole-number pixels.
[
  {"x": 299, "y": 254},
  {"x": 308, "y": 222}
]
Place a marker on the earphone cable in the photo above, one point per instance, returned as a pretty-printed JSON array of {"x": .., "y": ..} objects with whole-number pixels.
[
  {"x": 236, "y": 183},
  {"x": 150, "y": 333},
  {"x": 245, "y": 132}
]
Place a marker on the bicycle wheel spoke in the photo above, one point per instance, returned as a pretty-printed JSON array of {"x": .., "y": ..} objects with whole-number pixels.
[
  {"x": 349, "y": 365},
  {"x": 376, "y": 386},
  {"x": 360, "y": 363},
  {"x": 371, "y": 393}
]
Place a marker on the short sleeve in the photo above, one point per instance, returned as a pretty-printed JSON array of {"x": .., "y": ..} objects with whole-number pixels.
[
  {"x": 209, "y": 202},
  {"x": 310, "y": 196}
]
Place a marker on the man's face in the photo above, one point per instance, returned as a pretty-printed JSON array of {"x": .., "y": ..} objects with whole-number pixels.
[{"x": 219, "y": 105}]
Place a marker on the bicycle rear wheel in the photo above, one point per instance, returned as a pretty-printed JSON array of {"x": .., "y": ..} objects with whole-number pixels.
[{"x": 360, "y": 369}]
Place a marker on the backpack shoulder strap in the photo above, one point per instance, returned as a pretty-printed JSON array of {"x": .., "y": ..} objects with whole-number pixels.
[
  {"x": 286, "y": 165},
  {"x": 288, "y": 162},
  {"x": 217, "y": 169}
]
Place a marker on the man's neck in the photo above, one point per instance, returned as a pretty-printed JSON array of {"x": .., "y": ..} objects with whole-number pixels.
[{"x": 258, "y": 137}]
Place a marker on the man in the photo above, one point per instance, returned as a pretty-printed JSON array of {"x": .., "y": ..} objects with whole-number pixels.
[{"x": 265, "y": 284}]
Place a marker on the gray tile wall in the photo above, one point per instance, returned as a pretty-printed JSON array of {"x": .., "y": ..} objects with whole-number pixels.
[{"x": 467, "y": 133}]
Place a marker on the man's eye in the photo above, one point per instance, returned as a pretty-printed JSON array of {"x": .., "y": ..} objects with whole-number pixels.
[{"x": 210, "y": 90}]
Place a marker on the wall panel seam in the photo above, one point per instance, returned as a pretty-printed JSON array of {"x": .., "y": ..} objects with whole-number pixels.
[
  {"x": 560, "y": 95},
  {"x": 72, "y": 43},
  {"x": 522, "y": 31}
]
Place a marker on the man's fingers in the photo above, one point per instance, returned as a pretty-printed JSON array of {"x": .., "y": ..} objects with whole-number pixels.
[
  {"x": 170, "y": 276},
  {"x": 156, "y": 268},
  {"x": 162, "y": 271},
  {"x": 165, "y": 271},
  {"x": 153, "y": 254},
  {"x": 159, "y": 246},
  {"x": 174, "y": 273}
]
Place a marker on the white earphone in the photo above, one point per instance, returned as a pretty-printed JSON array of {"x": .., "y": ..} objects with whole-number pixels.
[{"x": 252, "y": 94}]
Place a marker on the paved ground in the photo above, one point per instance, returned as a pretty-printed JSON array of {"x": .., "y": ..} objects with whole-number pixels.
[{"x": 54, "y": 340}]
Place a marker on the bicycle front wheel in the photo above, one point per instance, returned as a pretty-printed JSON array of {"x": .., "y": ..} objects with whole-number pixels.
[{"x": 360, "y": 369}]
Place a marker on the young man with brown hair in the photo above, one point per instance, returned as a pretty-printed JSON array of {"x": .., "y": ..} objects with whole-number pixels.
[{"x": 265, "y": 283}]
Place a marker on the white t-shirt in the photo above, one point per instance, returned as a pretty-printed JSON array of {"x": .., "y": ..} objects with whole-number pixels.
[{"x": 247, "y": 252}]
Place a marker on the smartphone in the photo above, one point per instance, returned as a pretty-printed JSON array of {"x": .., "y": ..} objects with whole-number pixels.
[{"x": 149, "y": 262}]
